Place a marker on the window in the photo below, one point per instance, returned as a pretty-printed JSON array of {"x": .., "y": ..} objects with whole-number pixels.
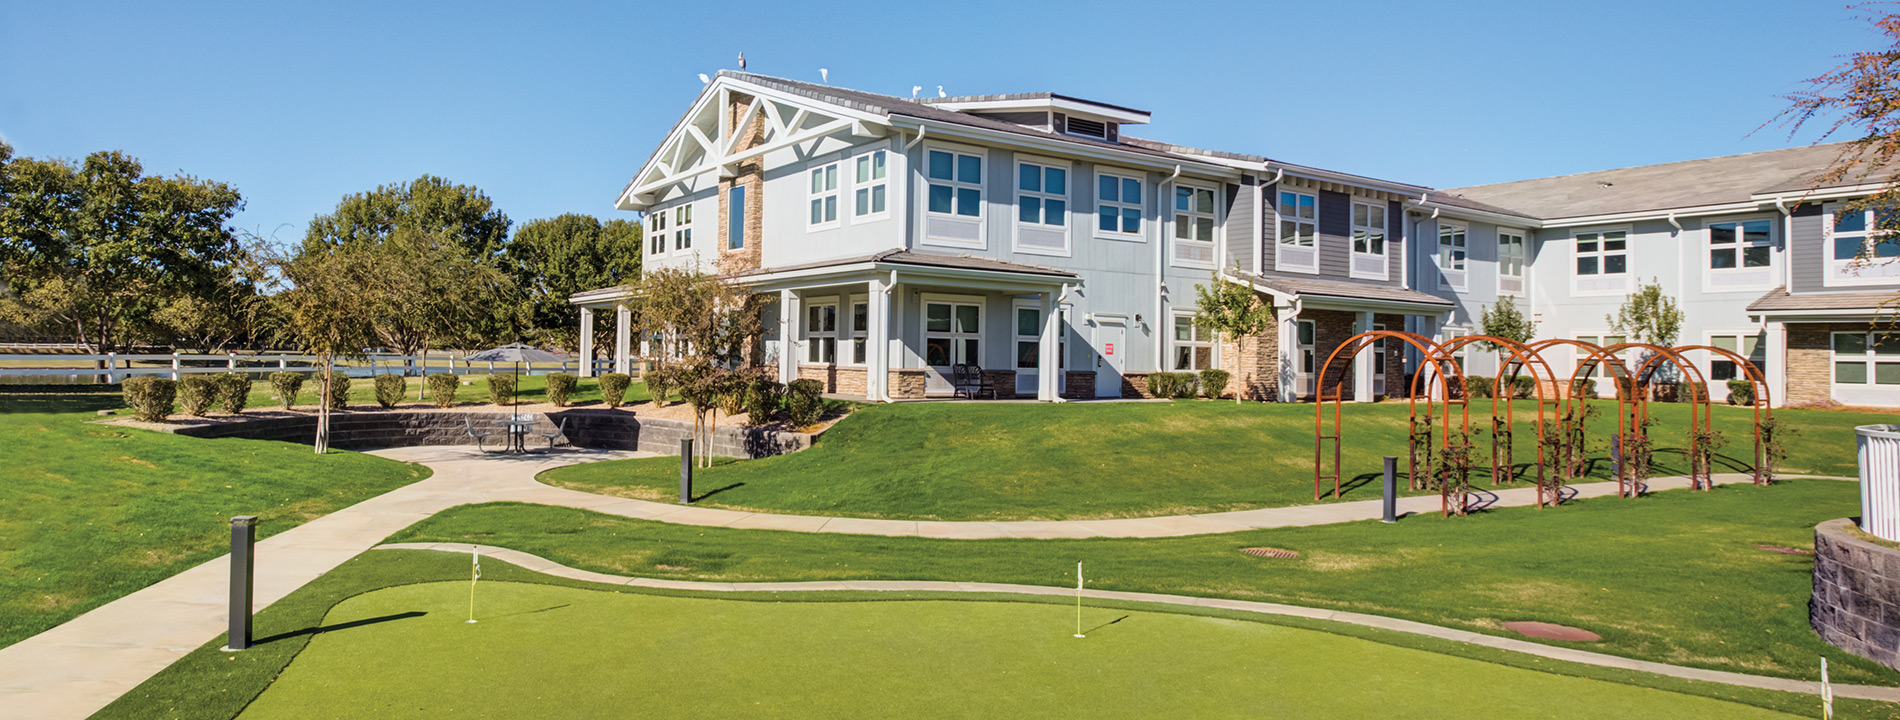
[
  {"x": 1866, "y": 358},
  {"x": 656, "y": 233},
  {"x": 824, "y": 197},
  {"x": 1745, "y": 344},
  {"x": 821, "y": 332},
  {"x": 1368, "y": 240},
  {"x": 871, "y": 196},
  {"x": 1042, "y": 208},
  {"x": 683, "y": 227},
  {"x": 1193, "y": 225},
  {"x": 953, "y": 333},
  {"x": 1299, "y": 232},
  {"x": 1740, "y": 254},
  {"x": 1861, "y": 252},
  {"x": 1118, "y": 206},
  {"x": 1457, "y": 356},
  {"x": 860, "y": 330},
  {"x": 955, "y": 197},
  {"x": 1451, "y": 255},
  {"x": 1029, "y": 340},
  {"x": 1602, "y": 369},
  {"x": 735, "y": 217},
  {"x": 1602, "y": 261},
  {"x": 1193, "y": 344},
  {"x": 1510, "y": 262}
]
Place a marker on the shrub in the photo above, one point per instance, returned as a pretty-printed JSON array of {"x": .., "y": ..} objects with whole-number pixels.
[
  {"x": 1479, "y": 386},
  {"x": 1186, "y": 385},
  {"x": 802, "y": 404},
  {"x": 560, "y": 387},
  {"x": 764, "y": 396},
  {"x": 1590, "y": 388},
  {"x": 195, "y": 394},
  {"x": 1214, "y": 382},
  {"x": 660, "y": 382},
  {"x": 442, "y": 387},
  {"x": 390, "y": 388},
  {"x": 613, "y": 388},
  {"x": 1161, "y": 385},
  {"x": 501, "y": 389},
  {"x": 1689, "y": 391},
  {"x": 339, "y": 390},
  {"x": 286, "y": 385},
  {"x": 234, "y": 392},
  {"x": 150, "y": 397},
  {"x": 1523, "y": 388},
  {"x": 733, "y": 388},
  {"x": 1741, "y": 392}
]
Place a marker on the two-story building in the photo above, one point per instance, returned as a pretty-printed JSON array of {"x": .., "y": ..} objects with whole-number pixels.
[{"x": 1033, "y": 236}]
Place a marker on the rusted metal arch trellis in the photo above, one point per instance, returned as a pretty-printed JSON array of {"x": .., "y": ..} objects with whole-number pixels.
[
  {"x": 1573, "y": 422},
  {"x": 1521, "y": 357},
  {"x": 1700, "y": 477},
  {"x": 1429, "y": 352},
  {"x": 1763, "y": 409}
]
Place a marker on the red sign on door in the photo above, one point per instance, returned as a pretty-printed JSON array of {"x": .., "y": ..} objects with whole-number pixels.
[{"x": 1110, "y": 349}]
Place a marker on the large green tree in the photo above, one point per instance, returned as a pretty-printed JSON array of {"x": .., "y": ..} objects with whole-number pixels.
[
  {"x": 327, "y": 300},
  {"x": 99, "y": 248},
  {"x": 552, "y": 259},
  {"x": 427, "y": 204}
]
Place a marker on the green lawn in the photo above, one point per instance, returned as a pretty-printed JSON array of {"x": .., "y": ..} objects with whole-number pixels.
[
  {"x": 1673, "y": 577},
  {"x": 89, "y": 513},
  {"x": 555, "y": 652},
  {"x": 945, "y": 461}
]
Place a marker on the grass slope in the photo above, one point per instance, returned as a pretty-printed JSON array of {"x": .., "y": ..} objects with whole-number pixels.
[
  {"x": 944, "y": 461},
  {"x": 1673, "y": 577},
  {"x": 884, "y": 659},
  {"x": 89, "y": 513}
]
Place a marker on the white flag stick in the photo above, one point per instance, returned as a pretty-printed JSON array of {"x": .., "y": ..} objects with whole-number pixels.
[
  {"x": 1827, "y": 693},
  {"x": 475, "y": 573},
  {"x": 1078, "y": 599}
]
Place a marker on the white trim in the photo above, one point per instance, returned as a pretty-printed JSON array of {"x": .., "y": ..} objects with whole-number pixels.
[
  {"x": 1176, "y": 242},
  {"x": 655, "y": 233},
  {"x": 1209, "y": 168},
  {"x": 926, "y": 334},
  {"x": 1385, "y": 238},
  {"x": 870, "y": 186},
  {"x": 1718, "y": 389},
  {"x": 1524, "y": 260},
  {"x": 1628, "y": 254},
  {"x": 829, "y": 174},
  {"x": 848, "y": 334},
  {"x": 1870, "y": 359},
  {"x": 1279, "y": 235},
  {"x": 1706, "y": 249},
  {"x": 981, "y": 219},
  {"x": 1017, "y": 338},
  {"x": 682, "y": 227},
  {"x": 1066, "y": 197},
  {"x": 1140, "y": 205},
  {"x": 809, "y": 334}
]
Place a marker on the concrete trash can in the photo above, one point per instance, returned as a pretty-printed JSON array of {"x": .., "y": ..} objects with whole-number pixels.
[{"x": 1879, "y": 451}]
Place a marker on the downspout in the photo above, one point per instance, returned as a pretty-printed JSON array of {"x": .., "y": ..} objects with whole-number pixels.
[
  {"x": 921, "y": 130},
  {"x": 1161, "y": 270},
  {"x": 1676, "y": 223}
]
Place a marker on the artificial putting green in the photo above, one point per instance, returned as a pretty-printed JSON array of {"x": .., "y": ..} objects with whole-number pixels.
[{"x": 555, "y": 652}]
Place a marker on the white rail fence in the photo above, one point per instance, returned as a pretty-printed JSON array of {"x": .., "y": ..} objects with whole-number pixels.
[{"x": 114, "y": 367}]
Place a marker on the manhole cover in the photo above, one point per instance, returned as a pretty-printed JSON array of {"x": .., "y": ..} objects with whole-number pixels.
[
  {"x": 1270, "y": 552},
  {"x": 1551, "y": 631},
  {"x": 1784, "y": 550}
]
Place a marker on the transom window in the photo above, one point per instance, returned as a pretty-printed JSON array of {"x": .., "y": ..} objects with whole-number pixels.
[
  {"x": 821, "y": 332},
  {"x": 1299, "y": 231},
  {"x": 1118, "y": 204},
  {"x": 871, "y": 193},
  {"x": 824, "y": 196},
  {"x": 1193, "y": 344},
  {"x": 1452, "y": 251},
  {"x": 1368, "y": 240},
  {"x": 1510, "y": 262},
  {"x": 1860, "y": 251},
  {"x": 1193, "y": 224},
  {"x": 683, "y": 227},
  {"x": 1748, "y": 345},
  {"x": 956, "y": 183},
  {"x": 1602, "y": 261},
  {"x": 1866, "y": 358}
]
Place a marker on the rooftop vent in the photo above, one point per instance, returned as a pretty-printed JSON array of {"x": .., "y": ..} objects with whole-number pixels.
[{"x": 1085, "y": 127}]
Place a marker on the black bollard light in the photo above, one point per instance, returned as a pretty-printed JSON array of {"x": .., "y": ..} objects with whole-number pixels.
[
  {"x": 243, "y": 562},
  {"x": 686, "y": 471},
  {"x": 1391, "y": 489}
]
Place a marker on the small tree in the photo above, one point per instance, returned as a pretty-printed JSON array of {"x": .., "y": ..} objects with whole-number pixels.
[
  {"x": 1649, "y": 315},
  {"x": 1233, "y": 311},
  {"x": 327, "y": 312},
  {"x": 1503, "y": 319}
]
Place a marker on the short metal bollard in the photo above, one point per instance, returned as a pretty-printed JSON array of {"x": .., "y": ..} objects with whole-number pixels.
[
  {"x": 686, "y": 471},
  {"x": 1391, "y": 489},
  {"x": 243, "y": 563}
]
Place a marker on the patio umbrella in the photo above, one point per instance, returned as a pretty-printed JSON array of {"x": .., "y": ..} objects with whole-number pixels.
[{"x": 516, "y": 353}]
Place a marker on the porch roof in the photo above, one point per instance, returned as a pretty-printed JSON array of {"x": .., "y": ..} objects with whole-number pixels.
[
  {"x": 914, "y": 266},
  {"x": 1376, "y": 297},
  {"x": 1780, "y": 302}
]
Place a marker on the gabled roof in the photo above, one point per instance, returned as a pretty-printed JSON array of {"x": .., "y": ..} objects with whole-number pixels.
[{"x": 1723, "y": 180}]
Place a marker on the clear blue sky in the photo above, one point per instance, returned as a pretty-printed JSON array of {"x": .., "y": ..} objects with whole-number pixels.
[{"x": 550, "y": 109}]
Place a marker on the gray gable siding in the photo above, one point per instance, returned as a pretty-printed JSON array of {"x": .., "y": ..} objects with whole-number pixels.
[
  {"x": 1335, "y": 235},
  {"x": 1037, "y": 119},
  {"x": 1335, "y": 240},
  {"x": 1240, "y": 223},
  {"x": 1807, "y": 249}
]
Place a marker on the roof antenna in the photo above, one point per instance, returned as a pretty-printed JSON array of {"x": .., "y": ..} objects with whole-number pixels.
[
  {"x": 741, "y": 61},
  {"x": 703, "y": 80},
  {"x": 914, "y": 89},
  {"x": 826, "y": 74},
  {"x": 941, "y": 93}
]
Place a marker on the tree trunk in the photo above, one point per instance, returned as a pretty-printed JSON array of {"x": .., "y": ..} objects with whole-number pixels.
[{"x": 322, "y": 441}]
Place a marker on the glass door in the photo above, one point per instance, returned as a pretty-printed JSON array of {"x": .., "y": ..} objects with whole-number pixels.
[
  {"x": 953, "y": 335},
  {"x": 1309, "y": 356}
]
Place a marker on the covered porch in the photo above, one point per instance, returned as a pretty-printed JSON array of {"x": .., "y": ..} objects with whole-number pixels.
[{"x": 1315, "y": 317}]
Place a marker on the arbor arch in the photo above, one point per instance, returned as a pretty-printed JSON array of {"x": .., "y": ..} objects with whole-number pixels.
[
  {"x": 1573, "y": 423},
  {"x": 1763, "y": 409},
  {"x": 1504, "y": 387},
  {"x": 1349, "y": 350},
  {"x": 1699, "y": 415}
]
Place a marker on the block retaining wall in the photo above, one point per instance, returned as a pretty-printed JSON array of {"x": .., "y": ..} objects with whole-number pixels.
[
  {"x": 1856, "y": 600},
  {"x": 586, "y": 428}
]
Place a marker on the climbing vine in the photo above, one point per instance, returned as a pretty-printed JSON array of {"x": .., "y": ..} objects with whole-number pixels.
[
  {"x": 1703, "y": 443},
  {"x": 1774, "y": 449},
  {"x": 1451, "y": 469}
]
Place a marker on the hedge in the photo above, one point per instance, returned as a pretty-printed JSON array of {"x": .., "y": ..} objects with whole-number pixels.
[
  {"x": 1214, "y": 382},
  {"x": 803, "y": 407},
  {"x": 196, "y": 393},
  {"x": 390, "y": 388},
  {"x": 150, "y": 397},
  {"x": 442, "y": 387},
  {"x": 613, "y": 388},
  {"x": 234, "y": 392},
  {"x": 287, "y": 385},
  {"x": 501, "y": 389},
  {"x": 339, "y": 391},
  {"x": 1741, "y": 392}
]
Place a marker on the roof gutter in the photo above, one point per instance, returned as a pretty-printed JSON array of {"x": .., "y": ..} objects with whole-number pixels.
[{"x": 1053, "y": 145}]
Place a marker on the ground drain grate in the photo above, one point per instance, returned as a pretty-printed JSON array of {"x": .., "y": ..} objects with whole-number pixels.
[
  {"x": 1270, "y": 552},
  {"x": 1784, "y": 550}
]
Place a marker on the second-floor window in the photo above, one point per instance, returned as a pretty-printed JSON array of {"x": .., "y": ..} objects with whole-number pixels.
[
  {"x": 1860, "y": 252},
  {"x": 1299, "y": 232},
  {"x": 656, "y": 233},
  {"x": 1368, "y": 240},
  {"x": 1118, "y": 206},
  {"x": 1042, "y": 207},
  {"x": 683, "y": 227},
  {"x": 735, "y": 217},
  {"x": 1452, "y": 252},
  {"x": 1510, "y": 262},
  {"x": 954, "y": 197},
  {"x": 1740, "y": 254},
  {"x": 1602, "y": 261},
  {"x": 870, "y": 198},
  {"x": 1193, "y": 225},
  {"x": 824, "y": 197}
]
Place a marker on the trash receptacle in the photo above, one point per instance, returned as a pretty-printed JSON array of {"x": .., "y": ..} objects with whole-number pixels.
[{"x": 1880, "y": 480}]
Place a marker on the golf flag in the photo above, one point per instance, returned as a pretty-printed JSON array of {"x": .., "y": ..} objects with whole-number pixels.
[
  {"x": 475, "y": 573},
  {"x": 1827, "y": 693},
  {"x": 1078, "y": 599}
]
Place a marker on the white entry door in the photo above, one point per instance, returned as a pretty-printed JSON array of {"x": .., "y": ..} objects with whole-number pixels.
[
  {"x": 1111, "y": 351},
  {"x": 1378, "y": 364},
  {"x": 1028, "y": 317},
  {"x": 1308, "y": 351},
  {"x": 953, "y": 335}
]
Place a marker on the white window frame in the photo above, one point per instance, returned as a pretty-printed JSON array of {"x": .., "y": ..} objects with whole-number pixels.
[
  {"x": 1448, "y": 333},
  {"x": 850, "y": 336},
  {"x": 1523, "y": 255},
  {"x": 1140, "y": 205},
  {"x": 956, "y": 338},
  {"x": 1602, "y": 255},
  {"x": 1847, "y": 272},
  {"x": 1280, "y": 219},
  {"x": 1579, "y": 357},
  {"x": 683, "y": 227},
  {"x": 735, "y": 217},
  {"x": 981, "y": 218},
  {"x": 1869, "y": 357},
  {"x": 1015, "y": 348},
  {"x": 1385, "y": 239},
  {"x": 814, "y": 337},
  {"x": 1769, "y": 272},
  {"x": 1067, "y": 198},
  {"x": 656, "y": 233},
  {"x": 822, "y": 174},
  {"x": 1209, "y": 340},
  {"x": 868, "y": 186},
  {"x": 1742, "y": 336},
  {"x": 1453, "y": 259},
  {"x": 1174, "y": 221}
]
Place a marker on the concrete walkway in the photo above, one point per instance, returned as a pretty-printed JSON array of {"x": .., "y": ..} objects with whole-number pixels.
[
  {"x": 549, "y": 567},
  {"x": 72, "y": 670}
]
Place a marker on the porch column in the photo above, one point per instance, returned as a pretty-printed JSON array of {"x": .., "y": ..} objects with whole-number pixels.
[
  {"x": 1046, "y": 356},
  {"x": 623, "y": 339},
  {"x": 1362, "y": 363},
  {"x": 1289, "y": 370},
  {"x": 587, "y": 342},
  {"x": 788, "y": 315},
  {"x": 877, "y": 362},
  {"x": 1777, "y": 354}
]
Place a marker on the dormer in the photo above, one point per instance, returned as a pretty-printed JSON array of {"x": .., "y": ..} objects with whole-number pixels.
[{"x": 1050, "y": 112}]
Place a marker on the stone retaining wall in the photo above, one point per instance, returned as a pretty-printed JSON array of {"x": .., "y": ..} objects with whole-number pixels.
[
  {"x": 1856, "y": 600},
  {"x": 586, "y": 428}
]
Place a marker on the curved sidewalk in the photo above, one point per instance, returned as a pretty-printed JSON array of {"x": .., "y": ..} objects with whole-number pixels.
[{"x": 549, "y": 567}]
